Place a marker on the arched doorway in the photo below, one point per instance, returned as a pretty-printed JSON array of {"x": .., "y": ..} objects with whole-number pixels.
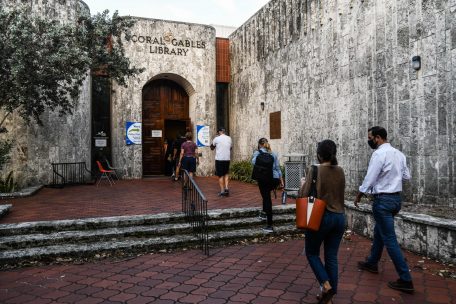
[{"x": 165, "y": 114}]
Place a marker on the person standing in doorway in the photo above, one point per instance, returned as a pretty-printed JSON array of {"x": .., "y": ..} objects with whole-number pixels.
[
  {"x": 387, "y": 169},
  {"x": 176, "y": 155},
  {"x": 168, "y": 147},
  {"x": 222, "y": 144},
  {"x": 267, "y": 184}
]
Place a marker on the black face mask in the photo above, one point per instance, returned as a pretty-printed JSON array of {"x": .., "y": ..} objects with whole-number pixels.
[{"x": 372, "y": 144}]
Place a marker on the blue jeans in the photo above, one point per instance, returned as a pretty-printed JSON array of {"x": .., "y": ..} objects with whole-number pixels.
[
  {"x": 331, "y": 231},
  {"x": 385, "y": 207}
]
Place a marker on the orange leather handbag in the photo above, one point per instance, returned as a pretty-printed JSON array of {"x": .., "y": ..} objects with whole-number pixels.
[{"x": 310, "y": 210}]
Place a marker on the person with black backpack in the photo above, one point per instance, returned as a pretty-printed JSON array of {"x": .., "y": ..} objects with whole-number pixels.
[{"x": 266, "y": 171}]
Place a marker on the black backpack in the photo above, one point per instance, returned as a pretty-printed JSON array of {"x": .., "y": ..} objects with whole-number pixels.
[{"x": 262, "y": 170}]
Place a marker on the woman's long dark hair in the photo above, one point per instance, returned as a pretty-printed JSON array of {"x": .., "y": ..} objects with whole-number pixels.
[{"x": 326, "y": 151}]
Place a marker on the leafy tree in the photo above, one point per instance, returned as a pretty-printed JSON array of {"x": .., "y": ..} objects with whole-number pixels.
[{"x": 44, "y": 62}]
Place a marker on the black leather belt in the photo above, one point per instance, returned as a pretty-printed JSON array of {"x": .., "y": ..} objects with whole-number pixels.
[{"x": 383, "y": 193}]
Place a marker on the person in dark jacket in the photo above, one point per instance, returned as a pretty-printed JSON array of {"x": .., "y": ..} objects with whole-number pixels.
[{"x": 267, "y": 187}]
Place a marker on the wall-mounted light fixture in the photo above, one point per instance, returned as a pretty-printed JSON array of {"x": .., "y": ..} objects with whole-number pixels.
[
  {"x": 416, "y": 63},
  {"x": 262, "y": 106}
]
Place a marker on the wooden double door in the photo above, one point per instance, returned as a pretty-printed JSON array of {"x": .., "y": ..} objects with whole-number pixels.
[{"x": 164, "y": 116}]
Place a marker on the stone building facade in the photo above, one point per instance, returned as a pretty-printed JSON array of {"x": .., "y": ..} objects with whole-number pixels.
[
  {"x": 172, "y": 53},
  {"x": 174, "y": 94},
  {"x": 60, "y": 139},
  {"x": 301, "y": 71},
  {"x": 335, "y": 68}
]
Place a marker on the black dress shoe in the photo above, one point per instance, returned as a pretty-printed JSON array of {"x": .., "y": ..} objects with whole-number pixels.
[
  {"x": 405, "y": 286},
  {"x": 326, "y": 296},
  {"x": 368, "y": 267}
]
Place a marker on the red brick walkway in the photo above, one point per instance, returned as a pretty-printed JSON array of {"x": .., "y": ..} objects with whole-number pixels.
[
  {"x": 261, "y": 273},
  {"x": 127, "y": 197}
]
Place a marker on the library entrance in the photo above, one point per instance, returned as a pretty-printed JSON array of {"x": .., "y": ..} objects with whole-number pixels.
[{"x": 165, "y": 116}]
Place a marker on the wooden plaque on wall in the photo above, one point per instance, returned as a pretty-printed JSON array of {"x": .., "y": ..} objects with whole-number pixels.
[{"x": 275, "y": 125}]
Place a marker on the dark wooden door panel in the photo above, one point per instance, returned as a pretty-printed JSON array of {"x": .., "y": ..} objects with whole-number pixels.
[{"x": 162, "y": 100}]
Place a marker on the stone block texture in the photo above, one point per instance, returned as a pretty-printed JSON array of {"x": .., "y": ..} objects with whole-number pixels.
[
  {"x": 194, "y": 71},
  {"x": 423, "y": 234},
  {"x": 60, "y": 139},
  {"x": 336, "y": 68}
]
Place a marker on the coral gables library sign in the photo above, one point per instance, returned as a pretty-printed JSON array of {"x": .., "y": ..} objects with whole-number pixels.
[{"x": 168, "y": 45}]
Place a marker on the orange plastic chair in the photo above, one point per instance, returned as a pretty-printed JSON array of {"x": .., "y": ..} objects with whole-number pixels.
[{"x": 105, "y": 173}]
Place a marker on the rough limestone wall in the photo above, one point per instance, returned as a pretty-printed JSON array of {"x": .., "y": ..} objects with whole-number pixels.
[
  {"x": 195, "y": 72},
  {"x": 65, "y": 10},
  {"x": 60, "y": 139},
  {"x": 335, "y": 68}
]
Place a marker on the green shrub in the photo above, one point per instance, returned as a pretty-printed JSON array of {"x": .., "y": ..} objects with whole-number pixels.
[
  {"x": 8, "y": 185},
  {"x": 5, "y": 149},
  {"x": 242, "y": 171}
]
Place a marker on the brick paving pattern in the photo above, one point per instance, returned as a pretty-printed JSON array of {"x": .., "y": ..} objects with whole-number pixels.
[
  {"x": 258, "y": 273},
  {"x": 126, "y": 197}
]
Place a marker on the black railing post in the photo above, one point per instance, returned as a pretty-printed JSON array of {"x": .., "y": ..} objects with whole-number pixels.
[
  {"x": 194, "y": 206},
  {"x": 69, "y": 173}
]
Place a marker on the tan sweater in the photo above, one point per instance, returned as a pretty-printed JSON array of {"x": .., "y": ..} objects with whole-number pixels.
[{"x": 330, "y": 186}]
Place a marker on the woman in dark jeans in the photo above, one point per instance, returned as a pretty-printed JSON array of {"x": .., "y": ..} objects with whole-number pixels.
[{"x": 331, "y": 189}]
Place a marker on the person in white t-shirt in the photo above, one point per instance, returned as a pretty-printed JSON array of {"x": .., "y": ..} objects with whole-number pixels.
[{"x": 222, "y": 145}]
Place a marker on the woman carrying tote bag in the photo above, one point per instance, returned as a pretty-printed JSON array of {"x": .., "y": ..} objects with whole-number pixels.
[{"x": 330, "y": 188}]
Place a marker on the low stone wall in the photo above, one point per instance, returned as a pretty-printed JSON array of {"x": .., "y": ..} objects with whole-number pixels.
[
  {"x": 29, "y": 191},
  {"x": 4, "y": 209},
  {"x": 423, "y": 234}
]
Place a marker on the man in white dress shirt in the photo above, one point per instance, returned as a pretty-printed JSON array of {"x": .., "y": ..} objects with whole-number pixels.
[{"x": 387, "y": 169}]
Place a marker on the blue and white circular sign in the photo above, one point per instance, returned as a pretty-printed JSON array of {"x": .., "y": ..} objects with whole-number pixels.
[{"x": 133, "y": 133}]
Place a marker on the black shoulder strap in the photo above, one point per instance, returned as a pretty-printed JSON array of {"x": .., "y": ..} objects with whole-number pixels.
[{"x": 313, "y": 185}]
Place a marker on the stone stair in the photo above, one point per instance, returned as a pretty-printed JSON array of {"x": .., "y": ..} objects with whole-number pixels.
[{"x": 48, "y": 241}]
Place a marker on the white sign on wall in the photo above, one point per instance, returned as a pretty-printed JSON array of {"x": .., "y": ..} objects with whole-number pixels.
[
  {"x": 156, "y": 133},
  {"x": 202, "y": 136},
  {"x": 101, "y": 142}
]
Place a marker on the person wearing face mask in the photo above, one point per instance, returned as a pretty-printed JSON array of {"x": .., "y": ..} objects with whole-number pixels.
[{"x": 387, "y": 169}]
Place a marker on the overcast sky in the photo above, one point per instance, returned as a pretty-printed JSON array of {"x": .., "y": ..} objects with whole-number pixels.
[{"x": 220, "y": 12}]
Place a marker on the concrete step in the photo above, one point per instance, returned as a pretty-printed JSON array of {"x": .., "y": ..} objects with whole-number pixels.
[
  {"x": 89, "y": 223},
  {"x": 133, "y": 245},
  {"x": 4, "y": 209},
  {"x": 47, "y": 241},
  {"x": 126, "y": 221},
  {"x": 113, "y": 234}
]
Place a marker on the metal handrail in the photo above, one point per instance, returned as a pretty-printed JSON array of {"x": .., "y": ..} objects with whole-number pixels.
[
  {"x": 69, "y": 173},
  {"x": 194, "y": 206}
]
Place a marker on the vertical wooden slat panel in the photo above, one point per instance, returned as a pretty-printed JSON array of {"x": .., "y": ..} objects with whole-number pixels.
[{"x": 275, "y": 125}]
